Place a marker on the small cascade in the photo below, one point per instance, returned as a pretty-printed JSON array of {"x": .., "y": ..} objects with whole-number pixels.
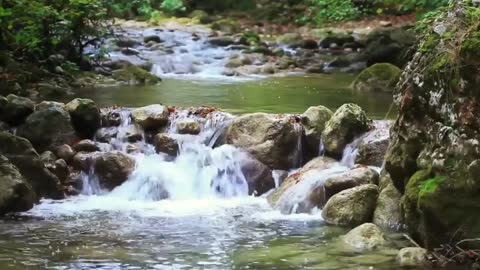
[
  {"x": 350, "y": 154},
  {"x": 298, "y": 154},
  {"x": 321, "y": 148},
  {"x": 198, "y": 172}
]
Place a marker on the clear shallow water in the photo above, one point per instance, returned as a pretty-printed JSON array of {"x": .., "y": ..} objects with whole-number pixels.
[
  {"x": 243, "y": 233},
  {"x": 288, "y": 94}
]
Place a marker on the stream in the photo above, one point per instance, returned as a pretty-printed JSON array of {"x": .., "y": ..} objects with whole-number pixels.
[{"x": 209, "y": 221}]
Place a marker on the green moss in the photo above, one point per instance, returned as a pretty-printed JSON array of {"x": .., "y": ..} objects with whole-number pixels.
[
  {"x": 380, "y": 77},
  {"x": 430, "y": 185},
  {"x": 136, "y": 74}
]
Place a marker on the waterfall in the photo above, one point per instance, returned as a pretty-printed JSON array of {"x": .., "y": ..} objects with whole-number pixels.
[{"x": 199, "y": 171}]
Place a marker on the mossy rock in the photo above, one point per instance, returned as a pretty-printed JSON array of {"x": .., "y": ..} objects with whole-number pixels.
[
  {"x": 377, "y": 78},
  {"x": 200, "y": 15},
  {"x": 226, "y": 25},
  {"x": 135, "y": 75},
  {"x": 289, "y": 38}
]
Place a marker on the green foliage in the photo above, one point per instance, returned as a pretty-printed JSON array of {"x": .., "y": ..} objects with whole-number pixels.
[
  {"x": 172, "y": 5},
  {"x": 334, "y": 10}
]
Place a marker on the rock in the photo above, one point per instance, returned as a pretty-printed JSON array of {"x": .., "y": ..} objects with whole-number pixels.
[
  {"x": 339, "y": 39},
  {"x": 48, "y": 128},
  {"x": 227, "y": 26},
  {"x": 289, "y": 38},
  {"x": 135, "y": 75},
  {"x": 152, "y": 38},
  {"x": 86, "y": 146},
  {"x": 314, "y": 121},
  {"x": 258, "y": 175},
  {"x": 49, "y": 104},
  {"x": 151, "y": 117},
  {"x": 83, "y": 161},
  {"x": 21, "y": 153},
  {"x": 111, "y": 118},
  {"x": 388, "y": 213},
  {"x": 64, "y": 152},
  {"x": 85, "y": 117},
  {"x": 48, "y": 158},
  {"x": 350, "y": 179},
  {"x": 105, "y": 135},
  {"x": 351, "y": 207},
  {"x": 4, "y": 126},
  {"x": 372, "y": 147},
  {"x": 412, "y": 257},
  {"x": 309, "y": 44},
  {"x": 132, "y": 134},
  {"x": 16, "y": 109},
  {"x": 113, "y": 169},
  {"x": 272, "y": 139},
  {"x": 377, "y": 78},
  {"x": 234, "y": 63},
  {"x": 348, "y": 122},
  {"x": 165, "y": 143},
  {"x": 16, "y": 194},
  {"x": 200, "y": 15},
  {"x": 300, "y": 192},
  {"x": 434, "y": 154},
  {"x": 367, "y": 236},
  {"x": 389, "y": 45},
  {"x": 188, "y": 126},
  {"x": 124, "y": 42},
  {"x": 221, "y": 41},
  {"x": 61, "y": 170},
  {"x": 130, "y": 51}
]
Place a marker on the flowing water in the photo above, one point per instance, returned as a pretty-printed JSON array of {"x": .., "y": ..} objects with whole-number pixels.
[{"x": 208, "y": 221}]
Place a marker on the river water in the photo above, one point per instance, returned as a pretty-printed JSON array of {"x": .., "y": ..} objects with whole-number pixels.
[{"x": 209, "y": 222}]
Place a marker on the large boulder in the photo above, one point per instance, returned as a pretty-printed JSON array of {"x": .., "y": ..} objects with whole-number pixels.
[
  {"x": 302, "y": 191},
  {"x": 48, "y": 128},
  {"x": 151, "y": 117},
  {"x": 378, "y": 78},
  {"x": 16, "y": 109},
  {"x": 367, "y": 236},
  {"x": 113, "y": 169},
  {"x": 348, "y": 122},
  {"x": 21, "y": 153},
  {"x": 272, "y": 139},
  {"x": 16, "y": 194},
  {"x": 135, "y": 75},
  {"x": 434, "y": 154},
  {"x": 349, "y": 179},
  {"x": 314, "y": 120},
  {"x": 351, "y": 207},
  {"x": 85, "y": 117}
]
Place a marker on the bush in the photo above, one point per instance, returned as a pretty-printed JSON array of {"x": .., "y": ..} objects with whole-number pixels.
[{"x": 334, "y": 10}]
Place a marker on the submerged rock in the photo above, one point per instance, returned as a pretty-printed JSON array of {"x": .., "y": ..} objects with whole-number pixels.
[
  {"x": 348, "y": 122},
  {"x": 367, "y": 236},
  {"x": 85, "y": 117},
  {"x": 113, "y": 169},
  {"x": 21, "y": 153},
  {"x": 16, "y": 194},
  {"x": 272, "y": 139},
  {"x": 377, "y": 78},
  {"x": 351, "y": 207},
  {"x": 412, "y": 257},
  {"x": 151, "y": 117},
  {"x": 48, "y": 128},
  {"x": 314, "y": 121}
]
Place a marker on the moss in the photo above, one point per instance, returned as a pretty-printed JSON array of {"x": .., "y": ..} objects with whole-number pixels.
[
  {"x": 379, "y": 77},
  {"x": 430, "y": 185},
  {"x": 135, "y": 74}
]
